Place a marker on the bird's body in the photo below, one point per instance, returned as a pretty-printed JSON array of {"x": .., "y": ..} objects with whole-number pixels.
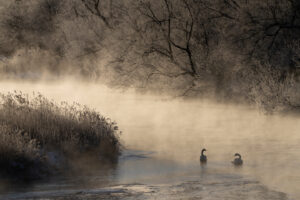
[
  {"x": 203, "y": 158},
  {"x": 237, "y": 161}
]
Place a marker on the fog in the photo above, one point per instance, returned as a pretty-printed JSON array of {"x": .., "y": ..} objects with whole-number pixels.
[
  {"x": 177, "y": 76},
  {"x": 177, "y": 130}
]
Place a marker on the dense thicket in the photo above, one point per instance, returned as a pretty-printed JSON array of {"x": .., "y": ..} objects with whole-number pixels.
[{"x": 231, "y": 49}]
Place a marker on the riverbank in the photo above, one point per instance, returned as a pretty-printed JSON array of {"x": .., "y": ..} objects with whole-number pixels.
[{"x": 40, "y": 137}]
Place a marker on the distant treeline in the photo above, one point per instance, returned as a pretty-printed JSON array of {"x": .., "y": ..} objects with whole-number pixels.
[{"x": 230, "y": 49}]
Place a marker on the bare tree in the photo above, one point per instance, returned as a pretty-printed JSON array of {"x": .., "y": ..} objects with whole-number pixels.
[
  {"x": 169, "y": 39},
  {"x": 259, "y": 29},
  {"x": 96, "y": 8}
]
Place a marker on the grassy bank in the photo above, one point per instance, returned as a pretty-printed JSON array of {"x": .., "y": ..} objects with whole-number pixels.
[{"x": 38, "y": 136}]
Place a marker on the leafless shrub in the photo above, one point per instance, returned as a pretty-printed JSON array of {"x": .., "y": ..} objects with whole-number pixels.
[{"x": 269, "y": 88}]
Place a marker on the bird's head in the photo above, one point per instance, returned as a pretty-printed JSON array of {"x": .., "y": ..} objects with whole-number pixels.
[{"x": 237, "y": 154}]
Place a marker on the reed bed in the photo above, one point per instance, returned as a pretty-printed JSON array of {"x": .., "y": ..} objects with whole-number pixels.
[{"x": 31, "y": 126}]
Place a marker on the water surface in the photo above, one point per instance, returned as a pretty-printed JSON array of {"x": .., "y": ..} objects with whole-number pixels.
[{"x": 163, "y": 139}]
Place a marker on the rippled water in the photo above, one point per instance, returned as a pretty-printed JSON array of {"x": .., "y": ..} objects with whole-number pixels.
[
  {"x": 142, "y": 176},
  {"x": 164, "y": 139}
]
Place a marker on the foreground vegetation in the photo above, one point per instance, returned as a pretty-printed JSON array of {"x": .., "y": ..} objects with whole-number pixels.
[{"x": 38, "y": 136}]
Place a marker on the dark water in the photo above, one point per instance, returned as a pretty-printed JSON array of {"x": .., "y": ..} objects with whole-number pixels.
[{"x": 140, "y": 175}]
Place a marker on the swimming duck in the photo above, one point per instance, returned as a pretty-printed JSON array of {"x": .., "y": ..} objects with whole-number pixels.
[
  {"x": 237, "y": 161},
  {"x": 203, "y": 158}
]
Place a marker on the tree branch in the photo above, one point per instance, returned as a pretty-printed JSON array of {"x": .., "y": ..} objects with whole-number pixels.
[{"x": 96, "y": 11}]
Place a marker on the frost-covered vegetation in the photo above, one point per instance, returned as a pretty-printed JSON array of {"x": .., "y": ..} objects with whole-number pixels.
[
  {"x": 34, "y": 129},
  {"x": 230, "y": 50}
]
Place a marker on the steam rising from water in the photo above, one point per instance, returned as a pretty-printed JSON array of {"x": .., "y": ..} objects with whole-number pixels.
[{"x": 177, "y": 130}]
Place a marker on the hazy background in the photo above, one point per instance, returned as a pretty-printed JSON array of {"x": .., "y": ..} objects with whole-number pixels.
[{"x": 231, "y": 50}]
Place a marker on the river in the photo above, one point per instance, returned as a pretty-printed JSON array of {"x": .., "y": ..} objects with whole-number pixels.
[{"x": 163, "y": 138}]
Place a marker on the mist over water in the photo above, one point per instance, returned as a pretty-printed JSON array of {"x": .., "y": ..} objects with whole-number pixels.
[
  {"x": 174, "y": 131},
  {"x": 126, "y": 59}
]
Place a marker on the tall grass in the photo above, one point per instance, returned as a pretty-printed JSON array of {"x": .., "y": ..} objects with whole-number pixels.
[{"x": 31, "y": 126}]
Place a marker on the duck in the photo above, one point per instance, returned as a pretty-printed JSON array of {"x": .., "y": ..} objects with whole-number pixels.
[
  {"x": 203, "y": 158},
  {"x": 237, "y": 161}
]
